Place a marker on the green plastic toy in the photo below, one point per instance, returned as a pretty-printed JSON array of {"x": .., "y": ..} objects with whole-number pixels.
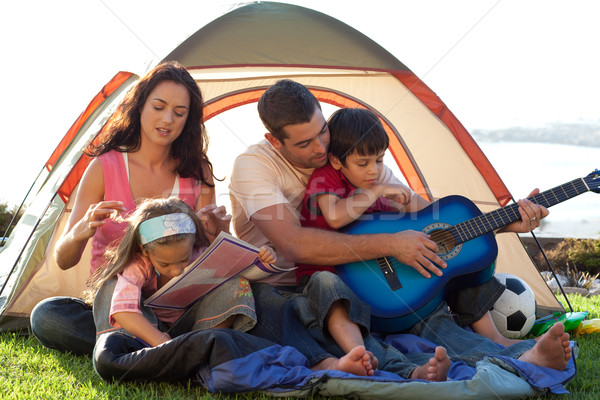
[{"x": 571, "y": 321}]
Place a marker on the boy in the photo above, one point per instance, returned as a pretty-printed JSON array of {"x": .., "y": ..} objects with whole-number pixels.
[{"x": 350, "y": 185}]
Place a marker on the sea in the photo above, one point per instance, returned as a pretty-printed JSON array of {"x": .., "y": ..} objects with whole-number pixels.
[{"x": 524, "y": 166}]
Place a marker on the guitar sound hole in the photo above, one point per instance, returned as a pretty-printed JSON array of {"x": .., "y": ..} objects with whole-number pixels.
[{"x": 444, "y": 240}]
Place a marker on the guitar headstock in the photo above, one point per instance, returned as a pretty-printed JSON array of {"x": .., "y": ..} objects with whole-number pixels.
[{"x": 593, "y": 181}]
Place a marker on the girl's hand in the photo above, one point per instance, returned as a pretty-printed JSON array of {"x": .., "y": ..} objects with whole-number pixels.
[
  {"x": 267, "y": 255},
  {"x": 214, "y": 219},
  {"x": 96, "y": 216}
]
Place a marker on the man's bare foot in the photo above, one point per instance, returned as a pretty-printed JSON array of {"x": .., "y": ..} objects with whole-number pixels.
[
  {"x": 552, "y": 349},
  {"x": 357, "y": 362},
  {"x": 436, "y": 369}
]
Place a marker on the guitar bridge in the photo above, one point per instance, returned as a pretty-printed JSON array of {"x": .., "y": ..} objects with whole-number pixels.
[{"x": 388, "y": 272}]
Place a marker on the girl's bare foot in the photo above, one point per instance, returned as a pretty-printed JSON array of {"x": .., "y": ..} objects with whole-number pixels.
[
  {"x": 436, "y": 369},
  {"x": 552, "y": 349},
  {"x": 357, "y": 362}
]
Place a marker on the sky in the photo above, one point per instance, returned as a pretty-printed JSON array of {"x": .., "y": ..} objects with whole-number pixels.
[{"x": 496, "y": 64}]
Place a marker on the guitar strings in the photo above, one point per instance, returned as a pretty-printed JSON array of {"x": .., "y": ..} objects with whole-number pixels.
[{"x": 488, "y": 222}]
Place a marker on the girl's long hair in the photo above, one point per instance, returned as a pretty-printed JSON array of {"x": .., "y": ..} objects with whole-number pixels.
[
  {"x": 119, "y": 256},
  {"x": 123, "y": 130}
]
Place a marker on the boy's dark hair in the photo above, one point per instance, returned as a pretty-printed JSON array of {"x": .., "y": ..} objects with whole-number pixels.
[
  {"x": 356, "y": 129},
  {"x": 286, "y": 103}
]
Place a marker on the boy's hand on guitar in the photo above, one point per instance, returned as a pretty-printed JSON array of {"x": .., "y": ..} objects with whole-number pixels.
[
  {"x": 418, "y": 251},
  {"x": 531, "y": 216},
  {"x": 397, "y": 193}
]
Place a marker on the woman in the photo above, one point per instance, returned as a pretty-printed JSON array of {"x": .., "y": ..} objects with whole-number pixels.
[{"x": 153, "y": 146}]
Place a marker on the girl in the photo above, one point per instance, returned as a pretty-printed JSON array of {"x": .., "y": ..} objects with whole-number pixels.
[
  {"x": 154, "y": 146},
  {"x": 162, "y": 238}
]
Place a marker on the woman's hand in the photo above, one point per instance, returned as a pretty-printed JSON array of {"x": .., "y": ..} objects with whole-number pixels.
[
  {"x": 214, "y": 219},
  {"x": 96, "y": 216}
]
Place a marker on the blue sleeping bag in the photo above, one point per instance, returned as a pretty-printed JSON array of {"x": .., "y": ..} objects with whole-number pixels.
[{"x": 228, "y": 361}]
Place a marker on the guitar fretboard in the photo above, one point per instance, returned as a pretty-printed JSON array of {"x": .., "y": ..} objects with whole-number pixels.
[{"x": 501, "y": 217}]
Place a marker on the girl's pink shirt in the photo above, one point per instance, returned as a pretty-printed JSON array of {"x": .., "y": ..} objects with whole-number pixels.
[{"x": 137, "y": 280}]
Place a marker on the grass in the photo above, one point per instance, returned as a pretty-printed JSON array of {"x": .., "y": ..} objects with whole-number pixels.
[{"x": 30, "y": 371}]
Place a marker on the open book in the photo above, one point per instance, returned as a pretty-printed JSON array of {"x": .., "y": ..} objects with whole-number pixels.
[{"x": 226, "y": 257}]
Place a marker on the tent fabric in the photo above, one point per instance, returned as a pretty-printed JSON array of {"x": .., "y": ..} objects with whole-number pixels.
[
  {"x": 106, "y": 91},
  {"x": 28, "y": 272},
  {"x": 234, "y": 59},
  {"x": 231, "y": 362}
]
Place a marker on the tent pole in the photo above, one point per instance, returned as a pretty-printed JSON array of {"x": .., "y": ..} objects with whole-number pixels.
[{"x": 551, "y": 270}]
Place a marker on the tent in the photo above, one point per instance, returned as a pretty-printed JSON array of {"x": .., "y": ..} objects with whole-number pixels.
[{"x": 234, "y": 59}]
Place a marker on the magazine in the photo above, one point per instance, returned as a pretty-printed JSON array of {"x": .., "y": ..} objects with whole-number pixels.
[{"x": 226, "y": 257}]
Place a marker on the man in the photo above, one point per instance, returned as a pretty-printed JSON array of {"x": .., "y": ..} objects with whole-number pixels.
[{"x": 267, "y": 188}]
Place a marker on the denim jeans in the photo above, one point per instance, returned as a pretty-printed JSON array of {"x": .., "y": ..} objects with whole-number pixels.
[
  {"x": 298, "y": 320},
  {"x": 214, "y": 308},
  {"x": 468, "y": 305},
  {"x": 277, "y": 322},
  {"x": 64, "y": 324},
  {"x": 463, "y": 345}
]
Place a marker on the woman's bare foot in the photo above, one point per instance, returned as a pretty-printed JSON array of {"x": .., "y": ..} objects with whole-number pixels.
[
  {"x": 552, "y": 349},
  {"x": 357, "y": 362},
  {"x": 436, "y": 369}
]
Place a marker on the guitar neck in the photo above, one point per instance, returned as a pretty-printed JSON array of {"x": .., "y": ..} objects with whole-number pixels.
[{"x": 501, "y": 217}]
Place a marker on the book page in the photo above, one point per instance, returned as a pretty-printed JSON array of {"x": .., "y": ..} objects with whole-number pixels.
[{"x": 226, "y": 257}]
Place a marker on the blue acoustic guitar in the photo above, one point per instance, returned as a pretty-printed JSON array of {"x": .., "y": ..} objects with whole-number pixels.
[{"x": 399, "y": 296}]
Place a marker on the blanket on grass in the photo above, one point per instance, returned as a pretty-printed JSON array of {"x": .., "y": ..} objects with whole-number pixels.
[{"x": 230, "y": 362}]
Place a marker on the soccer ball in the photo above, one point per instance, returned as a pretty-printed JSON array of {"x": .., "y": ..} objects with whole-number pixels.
[{"x": 514, "y": 311}]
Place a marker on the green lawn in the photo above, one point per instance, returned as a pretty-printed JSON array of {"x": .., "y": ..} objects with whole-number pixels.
[{"x": 30, "y": 371}]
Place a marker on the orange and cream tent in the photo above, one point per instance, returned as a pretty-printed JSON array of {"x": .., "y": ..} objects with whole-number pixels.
[{"x": 234, "y": 58}]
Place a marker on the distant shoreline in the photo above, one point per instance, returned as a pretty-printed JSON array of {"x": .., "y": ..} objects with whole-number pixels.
[{"x": 569, "y": 134}]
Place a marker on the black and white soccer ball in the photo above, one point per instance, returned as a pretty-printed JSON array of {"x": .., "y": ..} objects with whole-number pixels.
[{"x": 514, "y": 311}]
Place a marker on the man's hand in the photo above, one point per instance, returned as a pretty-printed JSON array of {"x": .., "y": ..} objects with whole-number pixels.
[
  {"x": 418, "y": 251},
  {"x": 531, "y": 216}
]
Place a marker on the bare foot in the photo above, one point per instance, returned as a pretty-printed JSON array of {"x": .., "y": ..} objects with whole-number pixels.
[
  {"x": 552, "y": 349},
  {"x": 357, "y": 362},
  {"x": 374, "y": 360},
  {"x": 436, "y": 369}
]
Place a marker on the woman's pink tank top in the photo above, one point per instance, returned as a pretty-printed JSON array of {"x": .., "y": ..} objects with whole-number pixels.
[{"x": 116, "y": 187}]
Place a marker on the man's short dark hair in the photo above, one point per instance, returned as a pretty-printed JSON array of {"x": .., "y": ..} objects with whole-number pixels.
[
  {"x": 286, "y": 103},
  {"x": 356, "y": 129}
]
